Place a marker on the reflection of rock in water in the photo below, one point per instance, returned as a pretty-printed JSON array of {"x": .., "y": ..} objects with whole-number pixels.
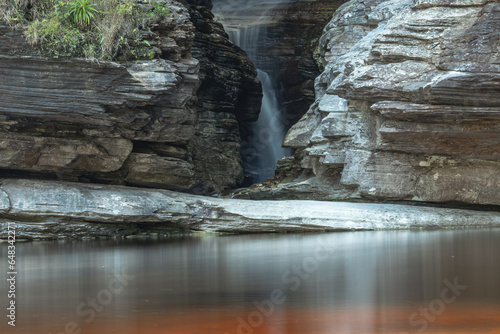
[
  {"x": 263, "y": 148},
  {"x": 345, "y": 283}
]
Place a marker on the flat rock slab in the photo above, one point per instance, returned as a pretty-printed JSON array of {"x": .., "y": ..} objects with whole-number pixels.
[{"x": 62, "y": 203}]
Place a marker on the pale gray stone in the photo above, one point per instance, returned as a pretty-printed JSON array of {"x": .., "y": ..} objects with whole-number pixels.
[
  {"x": 300, "y": 134},
  {"x": 61, "y": 204},
  {"x": 421, "y": 85},
  {"x": 332, "y": 103},
  {"x": 4, "y": 201}
]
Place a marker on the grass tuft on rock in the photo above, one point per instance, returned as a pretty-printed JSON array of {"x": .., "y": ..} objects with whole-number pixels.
[{"x": 94, "y": 29}]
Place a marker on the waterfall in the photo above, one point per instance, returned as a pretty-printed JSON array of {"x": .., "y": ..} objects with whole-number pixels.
[{"x": 246, "y": 24}]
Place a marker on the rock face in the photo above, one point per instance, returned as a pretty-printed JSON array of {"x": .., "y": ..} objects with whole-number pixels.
[
  {"x": 296, "y": 36},
  {"x": 49, "y": 210},
  {"x": 148, "y": 123},
  {"x": 229, "y": 94},
  {"x": 407, "y": 107},
  {"x": 290, "y": 31}
]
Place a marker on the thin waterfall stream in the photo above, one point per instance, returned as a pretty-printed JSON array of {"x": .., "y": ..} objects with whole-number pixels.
[{"x": 262, "y": 148}]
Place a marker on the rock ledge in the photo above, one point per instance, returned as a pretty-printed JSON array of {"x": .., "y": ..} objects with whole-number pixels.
[{"x": 75, "y": 210}]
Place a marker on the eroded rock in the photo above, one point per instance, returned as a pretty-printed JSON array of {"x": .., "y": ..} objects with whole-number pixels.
[
  {"x": 149, "y": 122},
  {"x": 38, "y": 208},
  {"x": 417, "y": 86}
]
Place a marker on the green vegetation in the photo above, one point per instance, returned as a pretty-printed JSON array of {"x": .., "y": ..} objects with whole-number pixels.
[
  {"x": 81, "y": 11},
  {"x": 95, "y": 29}
]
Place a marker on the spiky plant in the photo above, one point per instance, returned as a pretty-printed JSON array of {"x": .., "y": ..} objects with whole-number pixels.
[{"x": 82, "y": 12}]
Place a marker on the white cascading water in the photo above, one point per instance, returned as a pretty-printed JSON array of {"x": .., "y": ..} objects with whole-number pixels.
[{"x": 246, "y": 24}]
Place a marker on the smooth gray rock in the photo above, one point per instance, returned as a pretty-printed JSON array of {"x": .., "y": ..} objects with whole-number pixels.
[{"x": 60, "y": 204}]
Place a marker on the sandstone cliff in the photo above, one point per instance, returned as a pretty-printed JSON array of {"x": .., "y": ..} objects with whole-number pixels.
[
  {"x": 407, "y": 107},
  {"x": 169, "y": 123}
]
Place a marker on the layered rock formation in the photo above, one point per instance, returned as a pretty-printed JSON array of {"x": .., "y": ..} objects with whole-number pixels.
[
  {"x": 52, "y": 210},
  {"x": 290, "y": 31},
  {"x": 407, "y": 107},
  {"x": 158, "y": 123},
  {"x": 296, "y": 36}
]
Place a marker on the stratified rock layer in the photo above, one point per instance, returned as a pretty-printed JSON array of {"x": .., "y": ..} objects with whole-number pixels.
[
  {"x": 145, "y": 123},
  {"x": 48, "y": 210},
  {"x": 407, "y": 107},
  {"x": 289, "y": 51},
  {"x": 229, "y": 94},
  {"x": 289, "y": 31}
]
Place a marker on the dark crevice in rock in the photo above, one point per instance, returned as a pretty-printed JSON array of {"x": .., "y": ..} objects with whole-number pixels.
[
  {"x": 296, "y": 37},
  {"x": 161, "y": 149},
  {"x": 229, "y": 94}
]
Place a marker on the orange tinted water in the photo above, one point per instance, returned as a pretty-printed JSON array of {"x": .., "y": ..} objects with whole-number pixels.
[
  {"x": 369, "y": 282},
  {"x": 463, "y": 319}
]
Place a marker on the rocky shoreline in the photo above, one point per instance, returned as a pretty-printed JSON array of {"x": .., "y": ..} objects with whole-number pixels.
[
  {"x": 406, "y": 110},
  {"x": 62, "y": 210}
]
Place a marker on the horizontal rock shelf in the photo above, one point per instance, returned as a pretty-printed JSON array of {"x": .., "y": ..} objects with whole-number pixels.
[{"x": 50, "y": 209}]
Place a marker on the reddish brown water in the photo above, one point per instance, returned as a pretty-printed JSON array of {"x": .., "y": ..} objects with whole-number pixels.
[
  {"x": 366, "y": 282},
  {"x": 463, "y": 319}
]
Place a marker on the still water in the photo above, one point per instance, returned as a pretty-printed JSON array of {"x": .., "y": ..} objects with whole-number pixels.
[{"x": 361, "y": 282}]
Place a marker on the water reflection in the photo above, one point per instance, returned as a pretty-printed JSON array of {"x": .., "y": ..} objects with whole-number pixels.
[{"x": 362, "y": 282}]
